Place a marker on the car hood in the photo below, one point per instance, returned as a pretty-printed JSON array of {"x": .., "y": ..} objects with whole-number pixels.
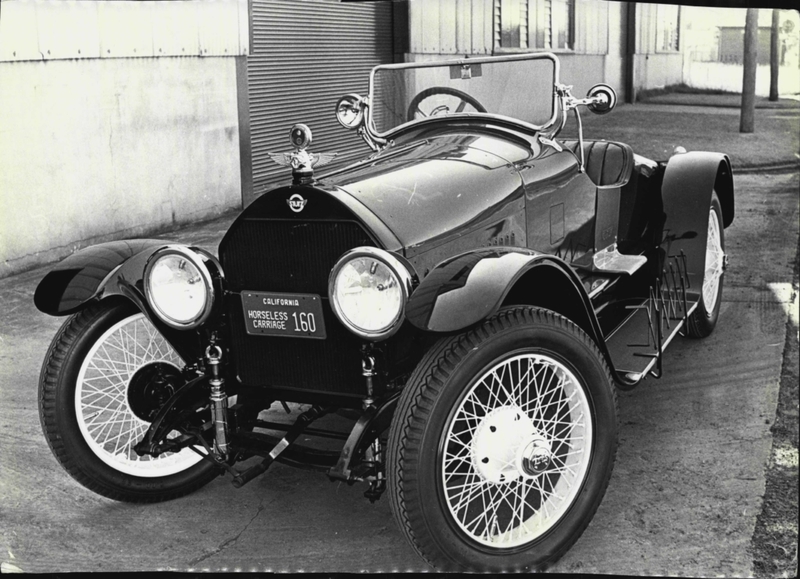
[{"x": 436, "y": 187}]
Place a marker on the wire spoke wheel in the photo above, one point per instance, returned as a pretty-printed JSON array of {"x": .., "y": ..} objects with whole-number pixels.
[
  {"x": 715, "y": 257},
  {"x": 105, "y": 378},
  {"x": 107, "y": 397},
  {"x": 704, "y": 318},
  {"x": 517, "y": 451},
  {"x": 503, "y": 443}
]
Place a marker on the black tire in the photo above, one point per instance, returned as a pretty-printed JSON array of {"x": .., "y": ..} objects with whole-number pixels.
[
  {"x": 704, "y": 318},
  {"x": 442, "y": 409},
  {"x": 413, "y": 106},
  {"x": 77, "y": 365}
]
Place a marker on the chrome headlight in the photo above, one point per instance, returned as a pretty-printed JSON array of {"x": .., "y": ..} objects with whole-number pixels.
[
  {"x": 350, "y": 111},
  {"x": 178, "y": 287},
  {"x": 368, "y": 289}
]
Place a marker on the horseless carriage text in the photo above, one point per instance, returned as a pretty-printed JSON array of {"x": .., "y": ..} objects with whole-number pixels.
[{"x": 449, "y": 317}]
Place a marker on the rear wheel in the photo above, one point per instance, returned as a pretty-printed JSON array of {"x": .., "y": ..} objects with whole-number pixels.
[
  {"x": 106, "y": 375},
  {"x": 704, "y": 318},
  {"x": 503, "y": 444}
]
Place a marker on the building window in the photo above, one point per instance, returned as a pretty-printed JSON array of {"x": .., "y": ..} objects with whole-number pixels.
[
  {"x": 534, "y": 24},
  {"x": 667, "y": 28}
]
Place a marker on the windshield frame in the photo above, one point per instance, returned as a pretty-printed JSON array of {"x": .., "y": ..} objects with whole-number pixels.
[{"x": 370, "y": 122}]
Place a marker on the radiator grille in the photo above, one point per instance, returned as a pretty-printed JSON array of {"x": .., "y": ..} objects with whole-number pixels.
[
  {"x": 292, "y": 256},
  {"x": 288, "y": 256}
]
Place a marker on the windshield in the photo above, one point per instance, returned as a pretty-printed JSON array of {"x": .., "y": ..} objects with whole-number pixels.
[{"x": 519, "y": 87}]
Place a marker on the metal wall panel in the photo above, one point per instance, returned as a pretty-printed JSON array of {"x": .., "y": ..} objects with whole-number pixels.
[
  {"x": 126, "y": 29},
  {"x": 463, "y": 27},
  {"x": 451, "y": 27},
  {"x": 591, "y": 27},
  {"x": 481, "y": 13},
  {"x": 447, "y": 26},
  {"x": 431, "y": 25},
  {"x": 305, "y": 56},
  {"x": 81, "y": 29},
  {"x": 19, "y": 37},
  {"x": 175, "y": 29},
  {"x": 68, "y": 29},
  {"x": 213, "y": 17}
]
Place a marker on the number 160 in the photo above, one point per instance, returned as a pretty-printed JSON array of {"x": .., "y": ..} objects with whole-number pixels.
[{"x": 304, "y": 322}]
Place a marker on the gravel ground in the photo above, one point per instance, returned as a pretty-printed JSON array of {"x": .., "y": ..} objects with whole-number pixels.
[{"x": 775, "y": 538}]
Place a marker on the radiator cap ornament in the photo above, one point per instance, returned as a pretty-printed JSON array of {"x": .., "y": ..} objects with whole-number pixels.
[{"x": 301, "y": 161}]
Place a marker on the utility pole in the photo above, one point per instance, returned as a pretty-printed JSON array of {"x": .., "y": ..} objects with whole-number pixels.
[
  {"x": 747, "y": 118},
  {"x": 774, "y": 55}
]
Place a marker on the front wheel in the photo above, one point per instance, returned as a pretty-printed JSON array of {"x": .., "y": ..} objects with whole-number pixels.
[
  {"x": 503, "y": 444},
  {"x": 107, "y": 373}
]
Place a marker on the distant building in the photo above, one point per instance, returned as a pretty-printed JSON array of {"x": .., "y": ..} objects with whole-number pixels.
[
  {"x": 731, "y": 44},
  {"x": 123, "y": 118}
]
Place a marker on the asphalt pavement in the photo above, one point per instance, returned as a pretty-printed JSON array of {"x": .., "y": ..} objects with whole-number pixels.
[{"x": 683, "y": 499}]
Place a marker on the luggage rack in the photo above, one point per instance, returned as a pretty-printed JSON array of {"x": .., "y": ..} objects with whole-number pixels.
[{"x": 638, "y": 344}]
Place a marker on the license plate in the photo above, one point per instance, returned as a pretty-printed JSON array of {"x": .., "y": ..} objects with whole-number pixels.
[{"x": 288, "y": 315}]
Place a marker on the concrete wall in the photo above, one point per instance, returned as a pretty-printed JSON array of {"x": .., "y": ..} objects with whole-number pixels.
[
  {"x": 728, "y": 77},
  {"x": 100, "y": 149},
  {"x": 117, "y": 119},
  {"x": 657, "y": 70}
]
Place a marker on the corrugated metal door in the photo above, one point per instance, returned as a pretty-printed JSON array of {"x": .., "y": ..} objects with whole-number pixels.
[{"x": 305, "y": 55}]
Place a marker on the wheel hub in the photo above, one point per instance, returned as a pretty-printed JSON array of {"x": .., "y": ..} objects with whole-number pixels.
[
  {"x": 535, "y": 458},
  {"x": 150, "y": 387},
  {"x": 507, "y": 446}
]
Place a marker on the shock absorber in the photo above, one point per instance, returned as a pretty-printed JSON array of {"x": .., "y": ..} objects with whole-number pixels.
[
  {"x": 219, "y": 400},
  {"x": 373, "y": 453},
  {"x": 368, "y": 371}
]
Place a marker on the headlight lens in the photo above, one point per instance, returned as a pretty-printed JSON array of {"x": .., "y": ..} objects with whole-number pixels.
[
  {"x": 178, "y": 287},
  {"x": 368, "y": 292}
]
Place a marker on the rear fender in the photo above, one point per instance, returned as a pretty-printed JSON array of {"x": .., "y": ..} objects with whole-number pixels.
[
  {"x": 689, "y": 180},
  {"x": 109, "y": 269}
]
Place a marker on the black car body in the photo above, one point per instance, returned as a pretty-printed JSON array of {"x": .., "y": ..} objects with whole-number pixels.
[{"x": 473, "y": 278}]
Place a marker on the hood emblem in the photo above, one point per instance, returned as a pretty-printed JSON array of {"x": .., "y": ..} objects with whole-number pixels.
[
  {"x": 301, "y": 161},
  {"x": 296, "y": 202}
]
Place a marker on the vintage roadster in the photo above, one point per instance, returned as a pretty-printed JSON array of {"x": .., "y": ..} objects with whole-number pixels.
[{"x": 453, "y": 313}]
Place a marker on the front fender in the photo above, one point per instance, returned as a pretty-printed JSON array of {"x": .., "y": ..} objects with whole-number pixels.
[
  {"x": 470, "y": 287},
  {"x": 88, "y": 275},
  {"x": 465, "y": 289},
  {"x": 110, "y": 269}
]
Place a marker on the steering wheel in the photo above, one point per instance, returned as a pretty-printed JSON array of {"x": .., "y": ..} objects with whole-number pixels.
[{"x": 465, "y": 99}]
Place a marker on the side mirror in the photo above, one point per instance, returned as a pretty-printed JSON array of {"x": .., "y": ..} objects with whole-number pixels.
[
  {"x": 350, "y": 111},
  {"x": 603, "y": 99}
]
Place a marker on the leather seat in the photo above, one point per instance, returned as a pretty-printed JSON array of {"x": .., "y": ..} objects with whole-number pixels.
[{"x": 608, "y": 163}]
